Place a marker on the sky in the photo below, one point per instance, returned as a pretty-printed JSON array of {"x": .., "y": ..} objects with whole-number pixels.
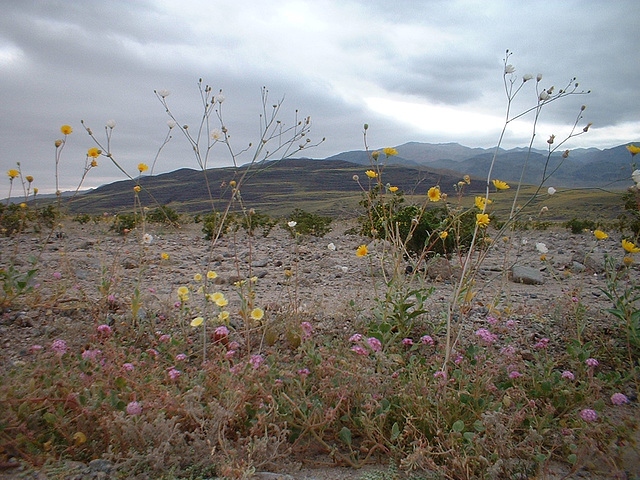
[{"x": 423, "y": 71}]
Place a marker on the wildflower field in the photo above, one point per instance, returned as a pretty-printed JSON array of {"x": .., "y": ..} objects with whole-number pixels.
[{"x": 441, "y": 335}]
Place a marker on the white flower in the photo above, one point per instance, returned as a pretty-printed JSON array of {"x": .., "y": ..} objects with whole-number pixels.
[
  {"x": 509, "y": 69},
  {"x": 526, "y": 77},
  {"x": 343, "y": 269},
  {"x": 147, "y": 238},
  {"x": 331, "y": 247},
  {"x": 636, "y": 176},
  {"x": 551, "y": 190},
  {"x": 292, "y": 224},
  {"x": 219, "y": 98},
  {"x": 541, "y": 247},
  {"x": 163, "y": 92},
  {"x": 544, "y": 95},
  {"x": 111, "y": 123},
  {"x": 539, "y": 77},
  {"x": 216, "y": 134},
  {"x": 524, "y": 241},
  {"x": 171, "y": 123}
]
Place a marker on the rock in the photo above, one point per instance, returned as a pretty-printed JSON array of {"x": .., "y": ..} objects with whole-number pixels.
[
  {"x": 594, "y": 262},
  {"x": 260, "y": 263},
  {"x": 439, "y": 268},
  {"x": 271, "y": 476},
  {"x": 526, "y": 275},
  {"x": 99, "y": 465},
  {"x": 129, "y": 264}
]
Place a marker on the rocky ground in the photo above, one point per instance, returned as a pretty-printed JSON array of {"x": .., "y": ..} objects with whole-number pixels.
[{"x": 73, "y": 265}]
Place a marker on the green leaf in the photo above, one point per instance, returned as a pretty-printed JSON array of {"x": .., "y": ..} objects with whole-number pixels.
[
  {"x": 458, "y": 426},
  {"x": 395, "y": 431},
  {"x": 541, "y": 457},
  {"x": 345, "y": 435},
  {"x": 49, "y": 417},
  {"x": 468, "y": 436},
  {"x": 572, "y": 459}
]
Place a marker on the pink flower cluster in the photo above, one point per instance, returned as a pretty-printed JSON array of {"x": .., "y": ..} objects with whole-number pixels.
[
  {"x": 619, "y": 399},
  {"x": 134, "y": 408},
  {"x": 588, "y": 415},
  {"x": 568, "y": 375},
  {"x": 307, "y": 330},
  {"x": 427, "y": 340},
  {"x": 104, "y": 329},
  {"x": 91, "y": 354},
  {"x": 486, "y": 336},
  {"x": 174, "y": 373},
  {"x": 59, "y": 346},
  {"x": 591, "y": 362},
  {"x": 256, "y": 361},
  {"x": 542, "y": 344}
]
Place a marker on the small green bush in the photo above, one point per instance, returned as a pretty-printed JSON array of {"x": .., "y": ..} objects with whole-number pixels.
[
  {"x": 310, "y": 224},
  {"x": 125, "y": 221},
  {"x": 579, "y": 226},
  {"x": 163, "y": 214}
]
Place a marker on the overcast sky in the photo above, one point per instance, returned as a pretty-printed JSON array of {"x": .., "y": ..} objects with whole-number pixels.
[{"x": 426, "y": 71}]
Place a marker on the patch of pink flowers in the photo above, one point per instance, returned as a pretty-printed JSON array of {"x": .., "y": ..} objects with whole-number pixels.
[
  {"x": 164, "y": 338},
  {"x": 91, "y": 354},
  {"x": 356, "y": 337},
  {"x": 35, "y": 348},
  {"x": 542, "y": 344},
  {"x": 360, "y": 350},
  {"x": 57, "y": 275},
  {"x": 304, "y": 372},
  {"x": 407, "y": 342},
  {"x": 134, "y": 408},
  {"x": 181, "y": 357},
  {"x": 307, "y": 329},
  {"x": 221, "y": 331},
  {"x": 59, "y": 346},
  {"x": 515, "y": 374},
  {"x": 591, "y": 362},
  {"x": 619, "y": 399},
  {"x": 174, "y": 373},
  {"x": 588, "y": 415},
  {"x": 486, "y": 336},
  {"x": 104, "y": 329},
  {"x": 128, "y": 367},
  {"x": 568, "y": 375}
]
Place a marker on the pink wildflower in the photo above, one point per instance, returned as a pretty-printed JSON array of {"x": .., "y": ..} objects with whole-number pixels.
[
  {"x": 152, "y": 352},
  {"x": 356, "y": 337},
  {"x": 221, "y": 331},
  {"x": 427, "y": 340},
  {"x": 510, "y": 323},
  {"x": 307, "y": 329},
  {"x": 57, "y": 275},
  {"x": 91, "y": 354},
  {"x": 181, "y": 357},
  {"x": 588, "y": 415},
  {"x": 515, "y": 374},
  {"x": 508, "y": 351},
  {"x": 59, "y": 346},
  {"x": 374, "y": 343},
  {"x": 619, "y": 399},
  {"x": 440, "y": 374},
  {"x": 111, "y": 298},
  {"x": 233, "y": 345},
  {"x": 229, "y": 354},
  {"x": 128, "y": 367},
  {"x": 568, "y": 375},
  {"x": 134, "y": 408},
  {"x": 256, "y": 361},
  {"x": 359, "y": 350},
  {"x": 486, "y": 336},
  {"x": 174, "y": 373},
  {"x": 591, "y": 362},
  {"x": 304, "y": 372},
  {"x": 104, "y": 329},
  {"x": 164, "y": 338},
  {"x": 35, "y": 348},
  {"x": 542, "y": 344},
  {"x": 407, "y": 342},
  {"x": 492, "y": 320}
]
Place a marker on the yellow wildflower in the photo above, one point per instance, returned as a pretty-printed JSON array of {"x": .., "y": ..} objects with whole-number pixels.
[
  {"x": 94, "y": 163},
  {"x": 371, "y": 174},
  {"x": 79, "y": 438},
  {"x": 434, "y": 194},
  {"x": 13, "y": 173},
  {"x": 633, "y": 149},
  {"x": 197, "y": 277},
  {"x": 29, "y": 178},
  {"x": 165, "y": 256},
  {"x": 257, "y": 313},
  {"x": 630, "y": 246},
  {"x": 232, "y": 183},
  {"x": 94, "y": 152},
  {"x": 196, "y": 322},
  {"x": 482, "y": 219},
  {"x": 375, "y": 155},
  {"x": 211, "y": 275},
  {"x": 393, "y": 189},
  {"x": 500, "y": 185},
  {"x": 467, "y": 179},
  {"x": 600, "y": 235},
  {"x": 23, "y": 205},
  {"x": 480, "y": 202},
  {"x": 222, "y": 302},
  {"x": 142, "y": 167},
  {"x": 389, "y": 151},
  {"x": 362, "y": 251},
  {"x": 444, "y": 235},
  {"x": 223, "y": 315},
  {"x": 627, "y": 261},
  {"x": 137, "y": 188},
  {"x": 66, "y": 129}
]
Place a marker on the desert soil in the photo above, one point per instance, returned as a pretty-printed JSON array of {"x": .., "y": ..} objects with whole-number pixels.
[{"x": 70, "y": 268}]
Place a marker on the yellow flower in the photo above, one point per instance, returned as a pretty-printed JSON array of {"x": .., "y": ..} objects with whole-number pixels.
[
  {"x": 222, "y": 302},
  {"x": 257, "y": 313},
  {"x": 223, "y": 315},
  {"x": 232, "y": 183},
  {"x": 393, "y": 189},
  {"x": 94, "y": 152},
  {"x": 543, "y": 257},
  {"x": 137, "y": 188},
  {"x": 444, "y": 235},
  {"x": 94, "y": 163},
  {"x": 434, "y": 194},
  {"x": 480, "y": 202},
  {"x": 482, "y": 219},
  {"x": 633, "y": 149},
  {"x": 375, "y": 155},
  {"x": 211, "y": 275},
  {"x": 197, "y": 277},
  {"x": 13, "y": 173},
  {"x": 600, "y": 235},
  {"x": 467, "y": 179},
  {"x": 630, "y": 246},
  {"x": 29, "y": 178},
  {"x": 142, "y": 167},
  {"x": 371, "y": 174},
  {"x": 196, "y": 322},
  {"x": 627, "y": 261},
  {"x": 165, "y": 256},
  {"x": 389, "y": 151},
  {"x": 79, "y": 438},
  {"x": 23, "y": 205},
  {"x": 182, "y": 293},
  {"x": 500, "y": 185},
  {"x": 362, "y": 251},
  {"x": 66, "y": 129}
]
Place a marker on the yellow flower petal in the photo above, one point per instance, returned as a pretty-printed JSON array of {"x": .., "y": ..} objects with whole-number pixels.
[
  {"x": 600, "y": 235},
  {"x": 371, "y": 174},
  {"x": 196, "y": 322},
  {"x": 482, "y": 219},
  {"x": 500, "y": 185},
  {"x": 630, "y": 246},
  {"x": 389, "y": 151},
  {"x": 633, "y": 149},
  {"x": 142, "y": 167},
  {"x": 362, "y": 251},
  {"x": 257, "y": 313},
  {"x": 66, "y": 129},
  {"x": 434, "y": 194}
]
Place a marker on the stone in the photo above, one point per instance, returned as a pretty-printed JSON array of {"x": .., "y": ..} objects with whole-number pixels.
[{"x": 526, "y": 275}]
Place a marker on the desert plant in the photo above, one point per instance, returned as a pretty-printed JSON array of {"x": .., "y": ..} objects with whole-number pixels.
[{"x": 307, "y": 223}]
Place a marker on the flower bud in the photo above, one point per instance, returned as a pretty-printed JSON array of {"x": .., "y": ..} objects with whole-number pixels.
[
  {"x": 538, "y": 77},
  {"x": 58, "y": 143},
  {"x": 551, "y": 139},
  {"x": 565, "y": 154},
  {"x": 586, "y": 129},
  {"x": 526, "y": 77}
]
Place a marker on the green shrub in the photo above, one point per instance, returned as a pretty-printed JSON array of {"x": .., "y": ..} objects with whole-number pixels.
[
  {"x": 211, "y": 225},
  {"x": 82, "y": 218},
  {"x": 310, "y": 223},
  {"x": 163, "y": 214},
  {"x": 579, "y": 226},
  {"x": 125, "y": 221}
]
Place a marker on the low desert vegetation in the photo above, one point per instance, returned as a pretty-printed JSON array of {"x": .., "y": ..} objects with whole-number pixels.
[{"x": 217, "y": 382}]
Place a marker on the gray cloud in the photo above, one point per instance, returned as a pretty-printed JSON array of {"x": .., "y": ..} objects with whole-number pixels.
[{"x": 63, "y": 61}]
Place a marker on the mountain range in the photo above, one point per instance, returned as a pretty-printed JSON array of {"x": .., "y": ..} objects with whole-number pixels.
[{"x": 328, "y": 185}]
